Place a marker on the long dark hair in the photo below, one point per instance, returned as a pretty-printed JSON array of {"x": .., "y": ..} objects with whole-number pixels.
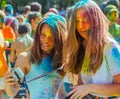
[
  {"x": 97, "y": 38},
  {"x": 59, "y": 35}
]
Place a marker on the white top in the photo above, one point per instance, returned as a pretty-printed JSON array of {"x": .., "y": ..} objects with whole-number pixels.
[{"x": 110, "y": 66}]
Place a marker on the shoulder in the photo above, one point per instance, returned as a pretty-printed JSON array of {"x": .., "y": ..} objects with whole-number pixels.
[
  {"x": 16, "y": 44},
  {"x": 112, "y": 50},
  {"x": 29, "y": 38},
  {"x": 111, "y": 45},
  {"x": 24, "y": 56},
  {"x": 112, "y": 57},
  {"x": 23, "y": 61}
]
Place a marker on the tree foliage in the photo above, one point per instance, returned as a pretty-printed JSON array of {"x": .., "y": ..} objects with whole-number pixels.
[
  {"x": 59, "y": 4},
  {"x": 2, "y": 4}
]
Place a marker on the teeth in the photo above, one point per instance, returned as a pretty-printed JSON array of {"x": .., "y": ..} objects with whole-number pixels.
[{"x": 44, "y": 44}]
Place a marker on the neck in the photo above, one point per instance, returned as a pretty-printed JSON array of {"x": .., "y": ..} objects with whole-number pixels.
[
  {"x": 45, "y": 54},
  {"x": 22, "y": 34},
  {"x": 85, "y": 42}
]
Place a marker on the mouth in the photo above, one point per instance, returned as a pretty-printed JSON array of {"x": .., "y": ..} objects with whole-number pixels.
[
  {"x": 43, "y": 45},
  {"x": 46, "y": 46}
]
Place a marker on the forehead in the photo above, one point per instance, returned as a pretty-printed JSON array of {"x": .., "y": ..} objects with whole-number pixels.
[
  {"x": 46, "y": 29},
  {"x": 113, "y": 12},
  {"x": 81, "y": 12},
  {"x": 45, "y": 26}
]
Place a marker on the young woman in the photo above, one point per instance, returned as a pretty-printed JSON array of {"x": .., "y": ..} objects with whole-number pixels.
[
  {"x": 92, "y": 56},
  {"x": 45, "y": 56}
]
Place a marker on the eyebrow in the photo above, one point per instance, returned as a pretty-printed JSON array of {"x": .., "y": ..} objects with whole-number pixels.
[
  {"x": 42, "y": 31},
  {"x": 80, "y": 19}
]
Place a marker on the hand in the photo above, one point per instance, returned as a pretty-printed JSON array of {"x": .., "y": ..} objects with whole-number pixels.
[
  {"x": 6, "y": 44},
  {"x": 10, "y": 80},
  {"x": 78, "y": 92}
]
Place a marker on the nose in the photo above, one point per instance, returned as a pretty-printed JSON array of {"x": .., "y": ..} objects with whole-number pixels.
[
  {"x": 80, "y": 24},
  {"x": 46, "y": 40}
]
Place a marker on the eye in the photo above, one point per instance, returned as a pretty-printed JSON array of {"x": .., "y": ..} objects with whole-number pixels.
[
  {"x": 85, "y": 20},
  {"x": 50, "y": 38},
  {"x": 42, "y": 35}
]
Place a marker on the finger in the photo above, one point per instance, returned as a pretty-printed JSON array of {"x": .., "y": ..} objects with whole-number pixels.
[
  {"x": 81, "y": 96},
  {"x": 10, "y": 79},
  {"x": 8, "y": 73},
  {"x": 9, "y": 76},
  {"x": 12, "y": 84},
  {"x": 75, "y": 96},
  {"x": 73, "y": 87},
  {"x": 71, "y": 92}
]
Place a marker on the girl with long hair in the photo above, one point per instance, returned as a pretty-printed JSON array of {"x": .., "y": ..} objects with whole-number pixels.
[
  {"x": 44, "y": 57},
  {"x": 92, "y": 59}
]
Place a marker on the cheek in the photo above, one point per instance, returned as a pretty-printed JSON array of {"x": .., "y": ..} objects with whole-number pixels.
[
  {"x": 87, "y": 26},
  {"x": 41, "y": 39},
  {"x": 51, "y": 43}
]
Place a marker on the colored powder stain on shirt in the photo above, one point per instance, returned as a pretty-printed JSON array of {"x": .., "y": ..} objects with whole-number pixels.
[
  {"x": 116, "y": 54},
  {"x": 45, "y": 87}
]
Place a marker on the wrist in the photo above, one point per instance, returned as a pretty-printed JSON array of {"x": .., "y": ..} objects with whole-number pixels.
[{"x": 90, "y": 88}]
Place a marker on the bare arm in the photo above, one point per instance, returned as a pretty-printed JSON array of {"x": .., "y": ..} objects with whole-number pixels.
[
  {"x": 12, "y": 53},
  {"x": 98, "y": 89},
  {"x": 12, "y": 85},
  {"x": 109, "y": 89}
]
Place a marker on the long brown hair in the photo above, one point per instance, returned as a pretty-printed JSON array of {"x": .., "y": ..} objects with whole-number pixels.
[
  {"x": 76, "y": 55},
  {"x": 59, "y": 33}
]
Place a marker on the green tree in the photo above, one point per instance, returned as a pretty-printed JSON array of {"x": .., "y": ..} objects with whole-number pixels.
[
  {"x": 2, "y": 4},
  {"x": 46, "y": 4}
]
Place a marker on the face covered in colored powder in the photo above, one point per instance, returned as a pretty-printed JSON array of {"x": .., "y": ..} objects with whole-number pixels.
[
  {"x": 46, "y": 39},
  {"x": 82, "y": 23},
  {"x": 113, "y": 16}
]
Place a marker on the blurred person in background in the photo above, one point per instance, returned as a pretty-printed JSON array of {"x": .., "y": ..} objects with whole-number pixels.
[
  {"x": 10, "y": 33},
  {"x": 8, "y": 10},
  {"x": 112, "y": 14},
  {"x": 20, "y": 18},
  {"x": 23, "y": 42},
  {"x": 26, "y": 11},
  {"x": 33, "y": 18},
  {"x": 54, "y": 10},
  {"x": 3, "y": 63},
  {"x": 36, "y": 7}
]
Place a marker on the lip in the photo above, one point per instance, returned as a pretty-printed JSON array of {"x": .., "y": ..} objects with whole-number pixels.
[
  {"x": 83, "y": 31},
  {"x": 44, "y": 45}
]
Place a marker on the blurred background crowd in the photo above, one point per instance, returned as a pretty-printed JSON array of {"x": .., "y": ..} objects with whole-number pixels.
[{"x": 18, "y": 36}]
